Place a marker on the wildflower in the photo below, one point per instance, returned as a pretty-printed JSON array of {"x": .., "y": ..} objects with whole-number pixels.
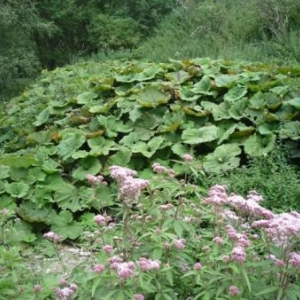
[
  {"x": 64, "y": 293},
  {"x": 120, "y": 173},
  {"x": 73, "y": 286},
  {"x": 102, "y": 219},
  {"x": 99, "y": 268},
  {"x": 95, "y": 179},
  {"x": 63, "y": 282},
  {"x": 197, "y": 266},
  {"x": 233, "y": 290},
  {"x": 124, "y": 269},
  {"x": 187, "y": 157},
  {"x": 138, "y": 297},
  {"x": 226, "y": 258},
  {"x": 149, "y": 264},
  {"x": 238, "y": 254},
  {"x": 217, "y": 195},
  {"x": 158, "y": 168},
  {"x": 218, "y": 240},
  {"x": 179, "y": 244},
  {"x": 294, "y": 259},
  {"x": 37, "y": 288},
  {"x": 166, "y": 206},
  {"x": 108, "y": 249},
  {"x": 52, "y": 236},
  {"x": 130, "y": 189}
]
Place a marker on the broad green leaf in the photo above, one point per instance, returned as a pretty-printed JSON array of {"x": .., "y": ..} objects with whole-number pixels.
[
  {"x": 42, "y": 118},
  {"x": 89, "y": 165},
  {"x": 29, "y": 212},
  {"x": 226, "y": 80},
  {"x": 70, "y": 144},
  {"x": 204, "y": 87},
  {"x": 19, "y": 161},
  {"x": 202, "y": 135},
  {"x": 86, "y": 97},
  {"x": 17, "y": 189},
  {"x": 64, "y": 225},
  {"x": 186, "y": 94},
  {"x": 101, "y": 146},
  {"x": 280, "y": 90},
  {"x": 180, "y": 149},
  {"x": 259, "y": 145},
  {"x": 4, "y": 172},
  {"x": 120, "y": 158},
  {"x": 152, "y": 97},
  {"x": 257, "y": 101},
  {"x": 226, "y": 134},
  {"x": 235, "y": 93},
  {"x": 113, "y": 126},
  {"x": 178, "y": 77},
  {"x": 290, "y": 130},
  {"x": 224, "y": 158},
  {"x": 295, "y": 103},
  {"x": 50, "y": 166}
]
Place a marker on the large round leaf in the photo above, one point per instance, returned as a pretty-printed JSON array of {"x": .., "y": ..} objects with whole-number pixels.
[
  {"x": 204, "y": 134},
  {"x": 257, "y": 145},
  {"x": 17, "y": 189},
  {"x": 152, "y": 97},
  {"x": 224, "y": 158}
]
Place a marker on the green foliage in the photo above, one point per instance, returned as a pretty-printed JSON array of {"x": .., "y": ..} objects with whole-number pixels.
[
  {"x": 85, "y": 118},
  {"x": 19, "y": 22},
  {"x": 253, "y": 31},
  {"x": 272, "y": 175}
]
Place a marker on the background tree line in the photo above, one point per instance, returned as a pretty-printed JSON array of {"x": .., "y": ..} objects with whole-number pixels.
[{"x": 39, "y": 34}]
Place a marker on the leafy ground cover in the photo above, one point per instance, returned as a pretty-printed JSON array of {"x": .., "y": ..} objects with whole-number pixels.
[
  {"x": 178, "y": 125},
  {"x": 82, "y": 119},
  {"x": 166, "y": 241}
]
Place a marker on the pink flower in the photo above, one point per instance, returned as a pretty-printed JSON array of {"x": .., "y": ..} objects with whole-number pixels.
[
  {"x": 99, "y": 268},
  {"x": 108, "y": 249},
  {"x": 37, "y": 288},
  {"x": 197, "y": 266},
  {"x": 52, "y": 236},
  {"x": 63, "y": 282},
  {"x": 138, "y": 297},
  {"x": 187, "y": 157},
  {"x": 218, "y": 240},
  {"x": 158, "y": 168},
  {"x": 233, "y": 290},
  {"x": 64, "y": 293},
  {"x": 294, "y": 259},
  {"x": 148, "y": 264},
  {"x": 124, "y": 269},
  {"x": 102, "y": 220},
  {"x": 95, "y": 179},
  {"x": 238, "y": 254},
  {"x": 226, "y": 258},
  {"x": 217, "y": 195},
  {"x": 179, "y": 244},
  {"x": 120, "y": 173},
  {"x": 73, "y": 286}
]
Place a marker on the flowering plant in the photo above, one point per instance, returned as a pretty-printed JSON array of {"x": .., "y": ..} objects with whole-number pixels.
[{"x": 169, "y": 241}]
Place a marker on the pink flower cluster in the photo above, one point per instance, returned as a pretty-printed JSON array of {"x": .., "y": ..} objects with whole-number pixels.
[
  {"x": 250, "y": 206},
  {"x": 282, "y": 229},
  {"x": 233, "y": 290},
  {"x": 217, "y": 195},
  {"x": 66, "y": 292},
  {"x": 102, "y": 220},
  {"x": 149, "y": 264},
  {"x": 123, "y": 269},
  {"x": 159, "y": 169},
  {"x": 95, "y": 179},
  {"x": 187, "y": 157},
  {"x": 52, "y": 236},
  {"x": 179, "y": 244},
  {"x": 138, "y": 297},
  {"x": 98, "y": 268},
  {"x": 129, "y": 187}
]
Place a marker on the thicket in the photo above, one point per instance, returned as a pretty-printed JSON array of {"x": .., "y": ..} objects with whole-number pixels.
[{"x": 233, "y": 29}]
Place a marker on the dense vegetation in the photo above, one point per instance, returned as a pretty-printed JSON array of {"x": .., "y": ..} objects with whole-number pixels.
[{"x": 177, "y": 178}]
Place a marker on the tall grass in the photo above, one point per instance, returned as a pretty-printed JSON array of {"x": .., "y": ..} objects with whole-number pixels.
[{"x": 251, "y": 30}]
